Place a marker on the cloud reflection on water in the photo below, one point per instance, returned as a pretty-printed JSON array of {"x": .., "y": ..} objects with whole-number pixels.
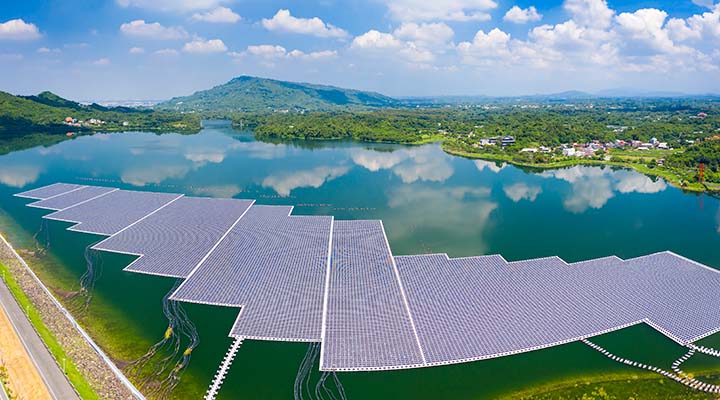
[
  {"x": 592, "y": 187},
  {"x": 482, "y": 165},
  {"x": 19, "y": 176},
  {"x": 285, "y": 182},
  {"x": 424, "y": 163},
  {"x": 456, "y": 214},
  {"x": 522, "y": 191}
]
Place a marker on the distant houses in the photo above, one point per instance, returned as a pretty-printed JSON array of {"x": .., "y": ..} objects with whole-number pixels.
[
  {"x": 504, "y": 141},
  {"x": 92, "y": 122}
]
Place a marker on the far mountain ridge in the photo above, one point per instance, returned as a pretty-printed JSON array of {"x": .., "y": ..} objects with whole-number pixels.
[{"x": 248, "y": 93}]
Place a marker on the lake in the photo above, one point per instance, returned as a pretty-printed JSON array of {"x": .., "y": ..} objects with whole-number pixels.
[{"x": 429, "y": 201}]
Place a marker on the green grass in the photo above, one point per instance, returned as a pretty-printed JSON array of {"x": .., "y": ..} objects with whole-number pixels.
[
  {"x": 76, "y": 378},
  {"x": 619, "y": 386}
]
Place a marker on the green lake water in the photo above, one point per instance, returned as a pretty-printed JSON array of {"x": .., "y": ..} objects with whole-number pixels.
[{"x": 429, "y": 201}]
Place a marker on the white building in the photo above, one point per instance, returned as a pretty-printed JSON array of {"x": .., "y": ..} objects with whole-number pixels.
[{"x": 569, "y": 152}]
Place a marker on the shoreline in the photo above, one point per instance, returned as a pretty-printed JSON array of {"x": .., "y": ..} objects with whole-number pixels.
[{"x": 668, "y": 176}]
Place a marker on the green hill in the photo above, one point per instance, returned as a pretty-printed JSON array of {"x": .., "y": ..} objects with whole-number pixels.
[
  {"x": 247, "y": 93},
  {"x": 30, "y": 120}
]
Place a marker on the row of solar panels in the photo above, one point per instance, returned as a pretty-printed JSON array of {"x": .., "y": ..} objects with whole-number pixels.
[{"x": 311, "y": 278}]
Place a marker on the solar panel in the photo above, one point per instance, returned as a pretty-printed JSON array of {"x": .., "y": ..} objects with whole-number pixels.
[
  {"x": 367, "y": 326},
  {"x": 173, "y": 240},
  {"x": 109, "y": 214},
  {"x": 273, "y": 266},
  {"x": 72, "y": 198},
  {"x": 680, "y": 296},
  {"x": 48, "y": 191},
  {"x": 304, "y": 278}
]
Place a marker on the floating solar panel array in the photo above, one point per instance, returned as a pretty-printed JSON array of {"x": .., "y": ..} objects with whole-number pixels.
[
  {"x": 109, "y": 214},
  {"x": 174, "y": 239},
  {"x": 307, "y": 278},
  {"x": 273, "y": 266}
]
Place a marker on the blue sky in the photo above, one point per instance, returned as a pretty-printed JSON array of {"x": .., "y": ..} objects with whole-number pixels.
[{"x": 156, "y": 49}]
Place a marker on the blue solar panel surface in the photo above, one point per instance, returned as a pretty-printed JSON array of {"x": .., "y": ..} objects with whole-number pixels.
[
  {"x": 72, "y": 197},
  {"x": 113, "y": 212},
  {"x": 46, "y": 192},
  {"x": 273, "y": 265},
  {"x": 367, "y": 323},
  {"x": 374, "y": 311},
  {"x": 173, "y": 240}
]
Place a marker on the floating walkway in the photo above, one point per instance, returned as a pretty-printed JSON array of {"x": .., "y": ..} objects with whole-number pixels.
[
  {"x": 679, "y": 376},
  {"x": 316, "y": 279},
  {"x": 223, "y": 370}
]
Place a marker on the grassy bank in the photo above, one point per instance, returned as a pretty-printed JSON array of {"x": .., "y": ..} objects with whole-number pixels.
[
  {"x": 632, "y": 385},
  {"x": 670, "y": 176},
  {"x": 122, "y": 338},
  {"x": 73, "y": 374}
]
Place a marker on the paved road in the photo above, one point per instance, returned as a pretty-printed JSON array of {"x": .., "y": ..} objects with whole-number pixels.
[{"x": 57, "y": 383}]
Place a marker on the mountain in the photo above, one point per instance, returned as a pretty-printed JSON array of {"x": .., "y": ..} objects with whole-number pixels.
[
  {"x": 248, "y": 93},
  {"x": 46, "y": 113}
]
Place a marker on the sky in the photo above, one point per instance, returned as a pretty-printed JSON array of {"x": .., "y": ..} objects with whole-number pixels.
[{"x": 157, "y": 49}]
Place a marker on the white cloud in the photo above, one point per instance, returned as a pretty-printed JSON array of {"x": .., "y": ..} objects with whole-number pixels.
[
  {"x": 644, "y": 34},
  {"x": 136, "y": 50},
  {"x": 285, "y": 183},
  {"x": 373, "y": 39},
  {"x": 102, "y": 62},
  {"x": 590, "y": 13},
  {"x": 440, "y": 10},
  {"x": 218, "y": 15},
  {"x": 166, "y": 52},
  {"x": 267, "y": 51},
  {"x": 46, "y": 50},
  {"x": 596, "y": 37},
  {"x": 704, "y": 3},
  {"x": 315, "y": 55},
  {"x": 17, "y": 29},
  {"x": 283, "y": 21},
  {"x": 154, "y": 30},
  {"x": 519, "y": 15},
  {"x": 201, "y": 46},
  {"x": 270, "y": 51},
  {"x": 425, "y": 34},
  {"x": 172, "y": 5},
  {"x": 388, "y": 45},
  {"x": 486, "y": 48},
  {"x": 522, "y": 191}
]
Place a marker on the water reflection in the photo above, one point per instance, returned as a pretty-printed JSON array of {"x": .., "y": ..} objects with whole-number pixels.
[
  {"x": 592, "y": 187},
  {"x": 447, "y": 215},
  {"x": 522, "y": 191},
  {"x": 219, "y": 191},
  {"x": 200, "y": 156},
  {"x": 156, "y": 172},
  {"x": 493, "y": 166},
  {"x": 426, "y": 163},
  {"x": 19, "y": 176},
  {"x": 261, "y": 150},
  {"x": 285, "y": 182}
]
